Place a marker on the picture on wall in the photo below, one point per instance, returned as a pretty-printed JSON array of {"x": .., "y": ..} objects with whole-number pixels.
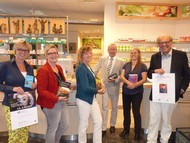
[
  {"x": 4, "y": 26},
  {"x": 96, "y": 43},
  {"x": 127, "y": 10},
  {"x": 72, "y": 48},
  {"x": 16, "y": 25},
  {"x": 35, "y": 26},
  {"x": 57, "y": 26},
  {"x": 185, "y": 11}
]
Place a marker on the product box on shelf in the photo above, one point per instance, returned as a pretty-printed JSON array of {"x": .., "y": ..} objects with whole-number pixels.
[{"x": 183, "y": 135}]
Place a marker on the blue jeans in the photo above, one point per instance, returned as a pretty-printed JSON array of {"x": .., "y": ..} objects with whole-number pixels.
[{"x": 57, "y": 122}]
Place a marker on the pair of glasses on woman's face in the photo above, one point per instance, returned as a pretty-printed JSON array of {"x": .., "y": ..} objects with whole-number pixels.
[
  {"x": 23, "y": 50},
  {"x": 52, "y": 53}
]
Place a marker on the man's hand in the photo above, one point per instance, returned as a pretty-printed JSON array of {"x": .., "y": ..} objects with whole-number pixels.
[{"x": 159, "y": 71}]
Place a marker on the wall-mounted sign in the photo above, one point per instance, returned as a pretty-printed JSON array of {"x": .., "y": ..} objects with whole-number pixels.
[{"x": 134, "y": 10}]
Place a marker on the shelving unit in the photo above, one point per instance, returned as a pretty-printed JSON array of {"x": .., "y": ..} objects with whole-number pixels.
[
  {"x": 147, "y": 48},
  {"x": 37, "y": 40}
]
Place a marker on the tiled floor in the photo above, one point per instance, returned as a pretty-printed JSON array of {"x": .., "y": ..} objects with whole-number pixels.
[{"x": 110, "y": 138}]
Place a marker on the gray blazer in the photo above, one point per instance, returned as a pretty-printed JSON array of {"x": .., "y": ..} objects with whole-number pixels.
[{"x": 112, "y": 88}]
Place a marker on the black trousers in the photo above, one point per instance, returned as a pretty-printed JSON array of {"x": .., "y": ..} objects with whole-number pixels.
[{"x": 133, "y": 101}]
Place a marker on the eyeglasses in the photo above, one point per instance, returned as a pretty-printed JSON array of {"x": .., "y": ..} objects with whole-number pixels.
[
  {"x": 164, "y": 42},
  {"x": 22, "y": 50},
  {"x": 52, "y": 53}
]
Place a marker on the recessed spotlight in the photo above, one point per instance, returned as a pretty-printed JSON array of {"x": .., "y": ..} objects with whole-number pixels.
[{"x": 89, "y": 1}]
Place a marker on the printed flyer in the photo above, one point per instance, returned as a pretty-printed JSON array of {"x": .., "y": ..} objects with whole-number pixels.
[{"x": 23, "y": 109}]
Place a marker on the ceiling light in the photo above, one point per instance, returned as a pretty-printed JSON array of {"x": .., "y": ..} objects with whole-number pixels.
[
  {"x": 89, "y": 1},
  {"x": 37, "y": 12},
  {"x": 2, "y": 11}
]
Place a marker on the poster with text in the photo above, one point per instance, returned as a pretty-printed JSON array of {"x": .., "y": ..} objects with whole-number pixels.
[
  {"x": 163, "y": 88},
  {"x": 23, "y": 109}
]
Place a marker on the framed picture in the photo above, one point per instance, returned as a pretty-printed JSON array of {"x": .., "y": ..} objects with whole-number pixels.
[
  {"x": 135, "y": 10},
  {"x": 57, "y": 26},
  {"x": 4, "y": 29},
  {"x": 185, "y": 11},
  {"x": 35, "y": 26},
  {"x": 72, "y": 48},
  {"x": 96, "y": 43},
  {"x": 16, "y": 25}
]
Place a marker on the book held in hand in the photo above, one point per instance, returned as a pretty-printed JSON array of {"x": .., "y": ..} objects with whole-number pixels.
[
  {"x": 133, "y": 78},
  {"x": 113, "y": 76},
  {"x": 66, "y": 86},
  {"x": 28, "y": 81}
]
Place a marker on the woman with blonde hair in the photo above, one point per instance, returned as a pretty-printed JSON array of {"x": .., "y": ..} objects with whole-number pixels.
[
  {"x": 54, "y": 106},
  {"x": 12, "y": 80},
  {"x": 86, "y": 96},
  {"x": 134, "y": 75}
]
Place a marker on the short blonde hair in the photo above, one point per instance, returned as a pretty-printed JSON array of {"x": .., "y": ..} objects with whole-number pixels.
[
  {"x": 81, "y": 52},
  {"x": 22, "y": 44},
  {"x": 164, "y": 37},
  {"x": 50, "y": 46}
]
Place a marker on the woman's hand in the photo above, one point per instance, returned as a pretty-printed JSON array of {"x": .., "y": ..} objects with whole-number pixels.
[
  {"x": 62, "y": 90},
  {"x": 18, "y": 90},
  {"x": 63, "y": 99},
  {"x": 73, "y": 87},
  {"x": 102, "y": 90},
  {"x": 131, "y": 85},
  {"x": 33, "y": 86}
]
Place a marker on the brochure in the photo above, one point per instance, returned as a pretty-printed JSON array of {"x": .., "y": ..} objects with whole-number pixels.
[{"x": 28, "y": 81}]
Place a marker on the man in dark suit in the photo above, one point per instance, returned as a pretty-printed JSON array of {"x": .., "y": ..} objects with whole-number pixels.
[{"x": 167, "y": 60}]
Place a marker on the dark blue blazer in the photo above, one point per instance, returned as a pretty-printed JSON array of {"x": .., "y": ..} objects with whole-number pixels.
[
  {"x": 179, "y": 66},
  {"x": 86, "y": 84}
]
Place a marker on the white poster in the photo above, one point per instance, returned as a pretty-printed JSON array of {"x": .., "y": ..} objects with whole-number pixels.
[
  {"x": 163, "y": 88},
  {"x": 23, "y": 110}
]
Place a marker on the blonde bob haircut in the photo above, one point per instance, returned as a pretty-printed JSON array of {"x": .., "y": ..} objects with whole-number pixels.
[
  {"x": 50, "y": 46},
  {"x": 81, "y": 52},
  {"x": 22, "y": 45}
]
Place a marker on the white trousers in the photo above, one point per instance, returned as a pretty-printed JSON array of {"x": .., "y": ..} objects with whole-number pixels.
[
  {"x": 160, "y": 113},
  {"x": 105, "y": 107},
  {"x": 85, "y": 111}
]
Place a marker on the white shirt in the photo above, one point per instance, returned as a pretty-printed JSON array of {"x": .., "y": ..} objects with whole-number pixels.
[{"x": 166, "y": 61}]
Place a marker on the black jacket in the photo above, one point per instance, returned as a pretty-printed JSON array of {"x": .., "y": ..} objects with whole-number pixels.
[{"x": 179, "y": 66}]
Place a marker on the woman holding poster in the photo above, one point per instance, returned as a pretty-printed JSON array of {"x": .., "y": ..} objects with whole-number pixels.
[
  {"x": 12, "y": 80},
  {"x": 134, "y": 75}
]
